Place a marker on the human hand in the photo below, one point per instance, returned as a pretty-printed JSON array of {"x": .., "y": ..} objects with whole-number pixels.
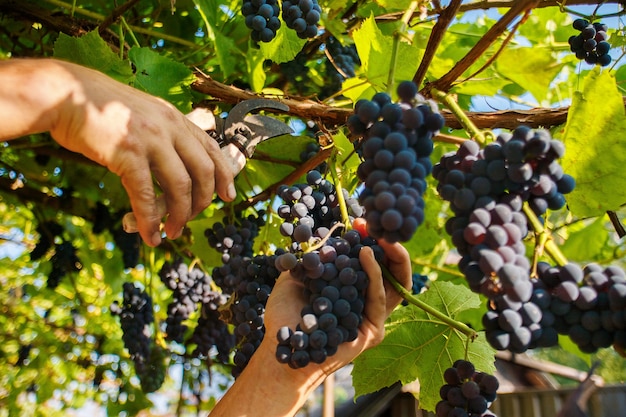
[
  {"x": 136, "y": 136},
  {"x": 287, "y": 299}
]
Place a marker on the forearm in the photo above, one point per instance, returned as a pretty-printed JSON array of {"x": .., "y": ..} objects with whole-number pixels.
[
  {"x": 31, "y": 94},
  {"x": 268, "y": 388}
]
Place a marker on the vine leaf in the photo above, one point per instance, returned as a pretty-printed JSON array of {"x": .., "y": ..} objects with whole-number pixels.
[
  {"x": 594, "y": 137},
  {"x": 419, "y": 347},
  {"x": 374, "y": 49},
  {"x": 163, "y": 77},
  {"x": 587, "y": 242},
  {"x": 520, "y": 65},
  {"x": 92, "y": 51},
  {"x": 284, "y": 47}
]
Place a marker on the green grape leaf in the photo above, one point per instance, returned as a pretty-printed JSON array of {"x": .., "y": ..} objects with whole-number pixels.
[
  {"x": 163, "y": 77},
  {"x": 520, "y": 65},
  {"x": 419, "y": 347},
  {"x": 284, "y": 47},
  {"x": 91, "y": 51},
  {"x": 394, "y": 4},
  {"x": 586, "y": 242},
  {"x": 375, "y": 50},
  {"x": 256, "y": 71},
  {"x": 595, "y": 134}
]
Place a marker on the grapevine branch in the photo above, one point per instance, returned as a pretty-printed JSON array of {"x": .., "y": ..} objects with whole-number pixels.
[
  {"x": 543, "y": 235},
  {"x": 495, "y": 4},
  {"x": 310, "y": 109},
  {"x": 435, "y": 39},
  {"x": 445, "y": 82}
]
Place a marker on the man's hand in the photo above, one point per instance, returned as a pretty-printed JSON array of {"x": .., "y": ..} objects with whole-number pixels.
[
  {"x": 134, "y": 134},
  {"x": 287, "y": 299}
]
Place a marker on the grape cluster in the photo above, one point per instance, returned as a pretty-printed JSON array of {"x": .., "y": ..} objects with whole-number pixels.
[
  {"x": 102, "y": 218},
  {"x": 190, "y": 287},
  {"x": 396, "y": 145},
  {"x": 64, "y": 261},
  {"x": 466, "y": 392},
  {"x": 310, "y": 210},
  {"x": 234, "y": 241},
  {"x": 136, "y": 316},
  {"x": 129, "y": 244},
  {"x": 591, "y": 44},
  {"x": 248, "y": 279},
  {"x": 211, "y": 331},
  {"x": 153, "y": 374},
  {"x": 327, "y": 264},
  {"x": 258, "y": 276},
  {"x": 586, "y": 304},
  {"x": 335, "y": 286},
  {"x": 262, "y": 17},
  {"x": 486, "y": 189},
  {"x": 340, "y": 65},
  {"x": 302, "y": 16}
]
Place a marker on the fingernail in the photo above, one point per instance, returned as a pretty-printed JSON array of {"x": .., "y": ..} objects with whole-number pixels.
[
  {"x": 156, "y": 238},
  {"x": 232, "y": 192}
]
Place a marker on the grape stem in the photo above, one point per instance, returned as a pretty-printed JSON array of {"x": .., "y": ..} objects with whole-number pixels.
[
  {"x": 543, "y": 235},
  {"x": 396, "y": 44},
  {"x": 460, "y": 115},
  {"x": 408, "y": 296},
  {"x": 345, "y": 218}
]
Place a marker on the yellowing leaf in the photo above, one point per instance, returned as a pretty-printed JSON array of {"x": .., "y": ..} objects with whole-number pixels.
[{"x": 595, "y": 140}]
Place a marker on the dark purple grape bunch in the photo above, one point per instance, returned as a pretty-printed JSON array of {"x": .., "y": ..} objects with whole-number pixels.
[
  {"x": 345, "y": 58},
  {"x": 586, "y": 304},
  {"x": 335, "y": 285},
  {"x": 262, "y": 17},
  {"x": 302, "y": 16},
  {"x": 136, "y": 317},
  {"x": 256, "y": 277},
  {"x": 234, "y": 241},
  {"x": 190, "y": 287},
  {"x": 211, "y": 331},
  {"x": 396, "y": 143},
  {"x": 591, "y": 44},
  {"x": 466, "y": 392},
  {"x": 311, "y": 210}
]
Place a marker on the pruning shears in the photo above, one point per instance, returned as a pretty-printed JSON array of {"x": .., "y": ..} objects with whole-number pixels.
[{"x": 238, "y": 135}]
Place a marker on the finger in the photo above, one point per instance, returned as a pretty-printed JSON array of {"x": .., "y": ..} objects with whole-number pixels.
[
  {"x": 398, "y": 262},
  {"x": 223, "y": 171},
  {"x": 375, "y": 305},
  {"x": 176, "y": 183},
  {"x": 201, "y": 169},
  {"x": 138, "y": 184}
]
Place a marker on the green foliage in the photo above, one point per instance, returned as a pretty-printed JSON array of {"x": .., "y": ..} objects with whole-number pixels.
[
  {"x": 590, "y": 144},
  {"x": 63, "y": 347},
  {"x": 418, "y": 346}
]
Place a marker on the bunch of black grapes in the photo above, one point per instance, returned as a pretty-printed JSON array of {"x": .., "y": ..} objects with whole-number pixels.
[
  {"x": 190, "y": 287},
  {"x": 136, "y": 317},
  {"x": 325, "y": 258},
  {"x": 591, "y": 44},
  {"x": 466, "y": 392},
  {"x": 302, "y": 16},
  {"x": 262, "y": 17},
  {"x": 396, "y": 143},
  {"x": 486, "y": 189}
]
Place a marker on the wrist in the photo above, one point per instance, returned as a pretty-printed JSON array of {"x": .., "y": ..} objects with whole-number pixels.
[
  {"x": 45, "y": 85},
  {"x": 277, "y": 388}
]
